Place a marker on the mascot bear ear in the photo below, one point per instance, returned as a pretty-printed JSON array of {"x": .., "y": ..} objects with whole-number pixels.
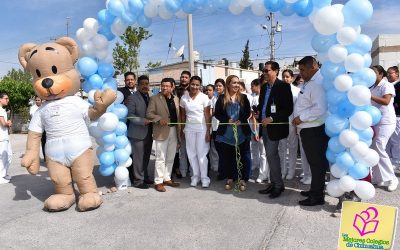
[
  {"x": 71, "y": 46},
  {"x": 24, "y": 52}
]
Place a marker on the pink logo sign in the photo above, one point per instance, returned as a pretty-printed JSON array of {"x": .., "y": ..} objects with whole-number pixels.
[{"x": 365, "y": 222}]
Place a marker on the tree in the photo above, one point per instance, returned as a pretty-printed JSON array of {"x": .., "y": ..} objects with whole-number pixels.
[
  {"x": 18, "y": 75},
  {"x": 125, "y": 55},
  {"x": 245, "y": 62},
  {"x": 151, "y": 65}
]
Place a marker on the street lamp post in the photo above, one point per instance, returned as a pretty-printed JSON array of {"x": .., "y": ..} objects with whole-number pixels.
[{"x": 273, "y": 29}]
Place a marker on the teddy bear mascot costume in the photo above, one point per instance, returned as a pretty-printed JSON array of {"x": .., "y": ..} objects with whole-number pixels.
[{"x": 69, "y": 152}]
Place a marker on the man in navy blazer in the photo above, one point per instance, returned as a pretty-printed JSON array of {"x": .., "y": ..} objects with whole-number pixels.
[{"x": 274, "y": 108}]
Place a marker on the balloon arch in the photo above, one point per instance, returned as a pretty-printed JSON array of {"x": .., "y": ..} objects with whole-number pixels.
[{"x": 342, "y": 49}]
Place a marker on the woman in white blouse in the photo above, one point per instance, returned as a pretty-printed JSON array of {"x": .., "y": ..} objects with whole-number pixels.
[
  {"x": 382, "y": 95},
  {"x": 195, "y": 112}
]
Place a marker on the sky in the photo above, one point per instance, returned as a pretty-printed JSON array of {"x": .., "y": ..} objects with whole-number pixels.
[{"x": 216, "y": 36}]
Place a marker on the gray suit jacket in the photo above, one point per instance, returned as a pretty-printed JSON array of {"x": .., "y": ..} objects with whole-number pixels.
[{"x": 137, "y": 113}]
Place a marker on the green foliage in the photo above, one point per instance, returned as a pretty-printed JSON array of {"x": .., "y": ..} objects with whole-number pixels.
[
  {"x": 245, "y": 62},
  {"x": 18, "y": 75},
  {"x": 151, "y": 65},
  {"x": 19, "y": 92},
  {"x": 125, "y": 55}
]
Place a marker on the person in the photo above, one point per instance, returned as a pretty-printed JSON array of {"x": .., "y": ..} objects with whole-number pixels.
[
  {"x": 258, "y": 155},
  {"x": 298, "y": 82},
  {"x": 163, "y": 112},
  {"x": 130, "y": 85},
  {"x": 382, "y": 96},
  {"x": 233, "y": 107},
  {"x": 5, "y": 145},
  {"x": 32, "y": 110},
  {"x": 212, "y": 154},
  {"x": 309, "y": 117},
  {"x": 209, "y": 91},
  {"x": 393, "y": 146},
  {"x": 140, "y": 132},
  {"x": 246, "y": 155},
  {"x": 195, "y": 112},
  {"x": 275, "y": 106},
  {"x": 215, "y": 145},
  {"x": 292, "y": 141}
]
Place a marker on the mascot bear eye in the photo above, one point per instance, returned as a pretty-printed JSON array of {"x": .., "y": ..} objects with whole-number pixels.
[
  {"x": 38, "y": 73},
  {"x": 54, "y": 69}
]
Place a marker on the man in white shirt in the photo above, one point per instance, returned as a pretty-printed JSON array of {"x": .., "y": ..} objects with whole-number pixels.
[
  {"x": 309, "y": 117},
  {"x": 393, "y": 146}
]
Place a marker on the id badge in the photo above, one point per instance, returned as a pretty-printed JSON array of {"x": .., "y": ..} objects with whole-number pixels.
[{"x": 273, "y": 109}]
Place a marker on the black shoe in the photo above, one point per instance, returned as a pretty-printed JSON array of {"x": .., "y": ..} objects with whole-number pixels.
[
  {"x": 142, "y": 186},
  {"x": 310, "y": 201},
  {"x": 149, "y": 182},
  {"x": 305, "y": 193},
  {"x": 276, "y": 193},
  {"x": 267, "y": 190}
]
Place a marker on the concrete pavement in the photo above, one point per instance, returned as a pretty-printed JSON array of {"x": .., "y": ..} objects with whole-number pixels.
[{"x": 183, "y": 218}]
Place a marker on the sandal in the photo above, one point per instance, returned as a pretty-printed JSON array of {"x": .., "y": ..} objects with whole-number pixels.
[
  {"x": 242, "y": 186},
  {"x": 228, "y": 184}
]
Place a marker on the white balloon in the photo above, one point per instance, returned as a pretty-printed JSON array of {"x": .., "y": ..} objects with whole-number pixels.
[
  {"x": 354, "y": 62},
  {"x": 343, "y": 82},
  {"x": 128, "y": 148},
  {"x": 328, "y": 20},
  {"x": 333, "y": 188},
  {"x": 337, "y": 171},
  {"x": 108, "y": 121},
  {"x": 91, "y": 26},
  {"x": 95, "y": 130},
  {"x": 108, "y": 59},
  {"x": 346, "y": 35},
  {"x": 100, "y": 42},
  {"x": 359, "y": 95},
  {"x": 245, "y": 3},
  {"x": 109, "y": 147},
  {"x": 359, "y": 151},
  {"x": 120, "y": 97},
  {"x": 102, "y": 54},
  {"x": 164, "y": 13},
  {"x": 371, "y": 159},
  {"x": 258, "y": 8},
  {"x": 357, "y": 29},
  {"x": 88, "y": 48},
  {"x": 235, "y": 8},
  {"x": 127, "y": 164},
  {"x": 348, "y": 138},
  {"x": 311, "y": 17},
  {"x": 121, "y": 173},
  {"x": 118, "y": 27},
  {"x": 82, "y": 35},
  {"x": 361, "y": 120},
  {"x": 337, "y": 53},
  {"x": 151, "y": 10},
  {"x": 364, "y": 190},
  {"x": 322, "y": 57},
  {"x": 91, "y": 95},
  {"x": 338, "y": 7},
  {"x": 347, "y": 183}
]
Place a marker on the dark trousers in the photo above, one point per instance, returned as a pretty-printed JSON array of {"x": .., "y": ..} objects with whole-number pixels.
[
  {"x": 315, "y": 143},
  {"x": 43, "y": 141},
  {"x": 220, "y": 157},
  {"x": 141, "y": 150},
  {"x": 228, "y": 154},
  {"x": 274, "y": 162}
]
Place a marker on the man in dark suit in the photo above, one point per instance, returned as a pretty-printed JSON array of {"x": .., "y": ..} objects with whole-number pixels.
[
  {"x": 140, "y": 133},
  {"x": 130, "y": 85},
  {"x": 275, "y": 106}
]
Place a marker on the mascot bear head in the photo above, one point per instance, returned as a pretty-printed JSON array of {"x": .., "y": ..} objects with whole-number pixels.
[{"x": 52, "y": 67}]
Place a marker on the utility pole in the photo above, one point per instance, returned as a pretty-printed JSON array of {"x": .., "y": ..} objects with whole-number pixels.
[
  {"x": 273, "y": 29},
  {"x": 190, "y": 43},
  {"x": 68, "y": 19}
]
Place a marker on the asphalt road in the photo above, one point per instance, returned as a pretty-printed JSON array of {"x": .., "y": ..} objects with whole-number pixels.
[{"x": 182, "y": 218}]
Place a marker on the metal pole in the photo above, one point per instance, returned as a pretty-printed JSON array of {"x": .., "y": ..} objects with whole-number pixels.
[
  {"x": 68, "y": 18},
  {"x": 272, "y": 38},
  {"x": 190, "y": 44}
]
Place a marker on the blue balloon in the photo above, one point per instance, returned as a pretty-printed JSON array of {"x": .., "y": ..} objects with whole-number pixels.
[
  {"x": 107, "y": 158},
  {"x": 358, "y": 171},
  {"x": 173, "y": 5},
  {"x": 335, "y": 146},
  {"x": 121, "y": 141},
  {"x": 87, "y": 66},
  {"x": 128, "y": 18},
  {"x": 368, "y": 60},
  {"x": 121, "y": 156},
  {"x": 322, "y": 43},
  {"x": 345, "y": 108},
  {"x": 222, "y": 4},
  {"x": 335, "y": 124},
  {"x": 365, "y": 77},
  {"x": 110, "y": 83},
  {"x": 96, "y": 81},
  {"x": 287, "y": 10},
  {"x": 334, "y": 96},
  {"x": 115, "y": 7},
  {"x": 330, "y": 156},
  {"x": 274, "y": 5},
  {"x": 106, "y": 70},
  {"x": 357, "y": 12},
  {"x": 321, "y": 3},
  {"x": 110, "y": 107},
  {"x": 375, "y": 114},
  {"x": 86, "y": 86},
  {"x": 107, "y": 170},
  {"x": 327, "y": 84},
  {"x": 121, "y": 129},
  {"x": 109, "y": 137},
  {"x": 120, "y": 110},
  {"x": 189, "y": 7},
  {"x": 210, "y": 7},
  {"x": 365, "y": 135},
  {"x": 331, "y": 70},
  {"x": 105, "y": 30},
  {"x": 344, "y": 160},
  {"x": 144, "y": 21},
  {"x": 362, "y": 45},
  {"x": 135, "y": 7},
  {"x": 303, "y": 8},
  {"x": 105, "y": 17}
]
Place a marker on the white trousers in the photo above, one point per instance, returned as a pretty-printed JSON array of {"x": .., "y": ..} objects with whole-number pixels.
[
  {"x": 384, "y": 170},
  {"x": 165, "y": 154},
  {"x": 288, "y": 152},
  {"x": 183, "y": 158},
  {"x": 393, "y": 146},
  {"x": 6, "y": 156},
  {"x": 259, "y": 158},
  {"x": 197, "y": 149},
  {"x": 214, "y": 158}
]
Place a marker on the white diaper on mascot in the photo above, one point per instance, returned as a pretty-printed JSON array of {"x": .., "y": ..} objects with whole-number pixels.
[{"x": 69, "y": 153}]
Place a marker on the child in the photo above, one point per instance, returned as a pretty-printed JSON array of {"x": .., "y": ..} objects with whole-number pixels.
[{"x": 5, "y": 146}]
